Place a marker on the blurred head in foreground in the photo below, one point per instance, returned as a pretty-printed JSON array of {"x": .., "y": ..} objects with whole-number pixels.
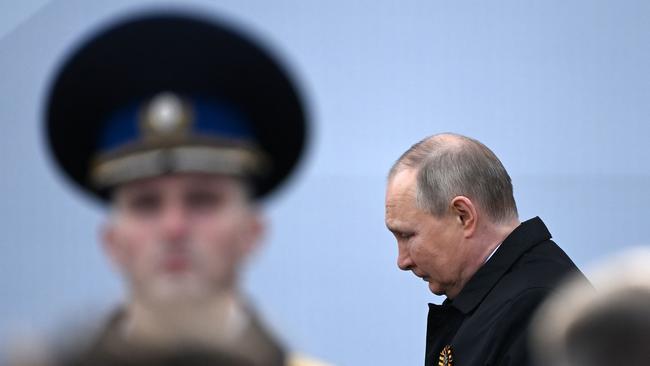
[
  {"x": 607, "y": 324},
  {"x": 181, "y": 125}
]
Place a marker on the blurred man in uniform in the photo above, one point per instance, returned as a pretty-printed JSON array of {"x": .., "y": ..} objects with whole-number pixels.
[
  {"x": 180, "y": 125},
  {"x": 450, "y": 205}
]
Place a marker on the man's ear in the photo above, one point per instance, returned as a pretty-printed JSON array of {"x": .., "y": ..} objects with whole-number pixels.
[
  {"x": 465, "y": 212},
  {"x": 110, "y": 244},
  {"x": 254, "y": 232}
]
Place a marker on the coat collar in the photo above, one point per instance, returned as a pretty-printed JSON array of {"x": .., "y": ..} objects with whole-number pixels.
[{"x": 524, "y": 237}]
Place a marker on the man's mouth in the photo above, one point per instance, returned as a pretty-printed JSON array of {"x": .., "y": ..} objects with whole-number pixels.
[
  {"x": 176, "y": 263},
  {"x": 423, "y": 277}
]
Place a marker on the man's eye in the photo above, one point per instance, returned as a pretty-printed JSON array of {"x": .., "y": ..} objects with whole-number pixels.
[
  {"x": 144, "y": 203},
  {"x": 202, "y": 200}
]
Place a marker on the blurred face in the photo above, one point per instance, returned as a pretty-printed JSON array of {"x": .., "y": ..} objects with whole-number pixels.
[
  {"x": 430, "y": 247},
  {"x": 181, "y": 236}
]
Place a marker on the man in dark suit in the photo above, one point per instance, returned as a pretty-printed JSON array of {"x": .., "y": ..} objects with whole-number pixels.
[{"x": 450, "y": 205}]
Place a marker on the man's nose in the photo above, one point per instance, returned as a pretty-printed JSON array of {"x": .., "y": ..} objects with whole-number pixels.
[
  {"x": 404, "y": 261},
  {"x": 174, "y": 222}
]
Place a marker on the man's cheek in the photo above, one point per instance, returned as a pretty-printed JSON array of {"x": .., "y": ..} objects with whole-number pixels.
[{"x": 137, "y": 253}]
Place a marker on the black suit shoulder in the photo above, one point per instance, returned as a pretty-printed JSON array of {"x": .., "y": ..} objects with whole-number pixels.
[{"x": 543, "y": 267}]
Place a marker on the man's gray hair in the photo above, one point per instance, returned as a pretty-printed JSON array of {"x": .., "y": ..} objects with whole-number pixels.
[{"x": 451, "y": 165}]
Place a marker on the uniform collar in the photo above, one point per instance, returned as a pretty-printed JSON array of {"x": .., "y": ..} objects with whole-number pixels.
[{"x": 525, "y": 236}]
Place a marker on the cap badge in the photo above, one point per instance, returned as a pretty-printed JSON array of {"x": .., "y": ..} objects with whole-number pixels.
[{"x": 166, "y": 115}]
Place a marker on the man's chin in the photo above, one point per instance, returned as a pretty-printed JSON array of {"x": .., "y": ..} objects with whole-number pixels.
[
  {"x": 436, "y": 289},
  {"x": 179, "y": 289}
]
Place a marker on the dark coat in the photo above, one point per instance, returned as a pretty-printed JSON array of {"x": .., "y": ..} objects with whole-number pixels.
[{"x": 486, "y": 324}]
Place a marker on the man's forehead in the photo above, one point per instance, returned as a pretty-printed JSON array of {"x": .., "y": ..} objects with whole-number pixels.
[
  {"x": 401, "y": 186},
  {"x": 400, "y": 196},
  {"x": 399, "y": 213}
]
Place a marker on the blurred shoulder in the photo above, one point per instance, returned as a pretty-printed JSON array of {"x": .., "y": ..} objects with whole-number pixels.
[{"x": 296, "y": 359}]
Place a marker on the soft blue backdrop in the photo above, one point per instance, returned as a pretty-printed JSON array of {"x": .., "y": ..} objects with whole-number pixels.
[{"x": 559, "y": 89}]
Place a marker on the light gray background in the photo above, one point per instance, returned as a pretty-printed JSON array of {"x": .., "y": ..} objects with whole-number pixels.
[{"x": 558, "y": 89}]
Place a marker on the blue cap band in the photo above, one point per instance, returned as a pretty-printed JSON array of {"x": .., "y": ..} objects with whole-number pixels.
[{"x": 207, "y": 118}]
